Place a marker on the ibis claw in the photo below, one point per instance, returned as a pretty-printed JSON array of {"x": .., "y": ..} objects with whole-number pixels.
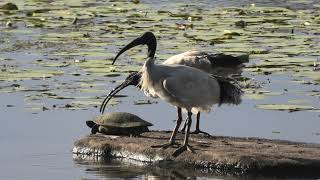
[
  {"x": 198, "y": 131},
  {"x": 183, "y": 148},
  {"x": 166, "y": 145}
]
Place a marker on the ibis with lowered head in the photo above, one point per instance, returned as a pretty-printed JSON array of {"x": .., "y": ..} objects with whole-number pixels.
[
  {"x": 182, "y": 86},
  {"x": 217, "y": 64}
]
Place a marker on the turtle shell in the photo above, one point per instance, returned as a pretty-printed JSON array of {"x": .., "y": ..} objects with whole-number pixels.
[{"x": 121, "y": 120}]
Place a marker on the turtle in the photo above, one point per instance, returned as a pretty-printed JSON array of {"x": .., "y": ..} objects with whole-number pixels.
[{"x": 118, "y": 123}]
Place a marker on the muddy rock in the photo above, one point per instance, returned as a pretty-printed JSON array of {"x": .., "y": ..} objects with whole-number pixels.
[{"x": 227, "y": 155}]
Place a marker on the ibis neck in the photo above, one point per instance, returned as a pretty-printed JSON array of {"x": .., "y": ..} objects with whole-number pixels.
[
  {"x": 150, "y": 40},
  {"x": 149, "y": 62},
  {"x": 152, "y": 46}
]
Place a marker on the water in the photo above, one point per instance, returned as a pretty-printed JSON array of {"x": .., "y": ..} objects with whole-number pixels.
[{"x": 36, "y": 143}]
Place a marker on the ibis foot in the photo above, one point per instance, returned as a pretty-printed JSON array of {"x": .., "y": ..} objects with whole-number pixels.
[
  {"x": 183, "y": 148},
  {"x": 198, "y": 131},
  {"x": 166, "y": 145}
]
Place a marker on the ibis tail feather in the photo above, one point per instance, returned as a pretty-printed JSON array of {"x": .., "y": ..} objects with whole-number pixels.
[{"x": 230, "y": 91}]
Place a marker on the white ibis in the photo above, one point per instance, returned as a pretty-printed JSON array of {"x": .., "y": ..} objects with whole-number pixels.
[
  {"x": 218, "y": 64},
  {"x": 182, "y": 86}
]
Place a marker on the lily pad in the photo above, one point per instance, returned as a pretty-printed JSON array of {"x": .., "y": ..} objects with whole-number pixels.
[
  {"x": 88, "y": 103},
  {"x": 9, "y": 6},
  {"x": 17, "y": 75},
  {"x": 287, "y": 107}
]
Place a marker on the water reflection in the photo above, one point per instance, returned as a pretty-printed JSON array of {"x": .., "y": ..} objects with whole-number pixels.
[{"x": 116, "y": 169}]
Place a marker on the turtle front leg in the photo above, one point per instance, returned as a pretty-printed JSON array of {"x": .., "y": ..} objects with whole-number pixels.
[{"x": 174, "y": 133}]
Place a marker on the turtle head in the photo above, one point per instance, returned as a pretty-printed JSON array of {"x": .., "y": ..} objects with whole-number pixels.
[
  {"x": 94, "y": 127},
  {"x": 147, "y": 38},
  {"x": 132, "y": 79}
]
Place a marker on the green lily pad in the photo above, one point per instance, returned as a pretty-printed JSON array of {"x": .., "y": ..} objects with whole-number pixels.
[
  {"x": 9, "y": 6},
  {"x": 144, "y": 102},
  {"x": 52, "y": 64},
  {"x": 287, "y": 107},
  {"x": 88, "y": 103},
  {"x": 17, "y": 75}
]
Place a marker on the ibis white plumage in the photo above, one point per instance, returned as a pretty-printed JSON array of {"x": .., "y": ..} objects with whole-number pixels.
[
  {"x": 182, "y": 86},
  {"x": 216, "y": 64}
]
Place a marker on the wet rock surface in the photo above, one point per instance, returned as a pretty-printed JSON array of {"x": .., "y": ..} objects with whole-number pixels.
[{"x": 225, "y": 155}]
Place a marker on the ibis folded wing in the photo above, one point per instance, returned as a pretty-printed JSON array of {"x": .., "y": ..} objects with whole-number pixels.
[{"x": 193, "y": 89}]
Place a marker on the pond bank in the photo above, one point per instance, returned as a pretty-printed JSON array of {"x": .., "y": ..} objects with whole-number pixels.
[{"x": 226, "y": 155}]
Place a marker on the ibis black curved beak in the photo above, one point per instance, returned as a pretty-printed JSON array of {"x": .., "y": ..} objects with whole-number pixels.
[
  {"x": 111, "y": 94},
  {"x": 132, "y": 79},
  {"x": 147, "y": 38}
]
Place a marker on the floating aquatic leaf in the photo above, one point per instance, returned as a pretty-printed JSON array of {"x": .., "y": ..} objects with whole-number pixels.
[
  {"x": 88, "y": 103},
  {"x": 310, "y": 74},
  {"x": 52, "y": 64},
  {"x": 287, "y": 107},
  {"x": 9, "y": 6},
  {"x": 276, "y": 132},
  {"x": 46, "y": 95},
  {"x": 36, "y": 106},
  {"x": 92, "y": 90},
  {"x": 254, "y": 94},
  {"x": 17, "y": 75},
  {"x": 143, "y": 102},
  {"x": 317, "y": 94}
]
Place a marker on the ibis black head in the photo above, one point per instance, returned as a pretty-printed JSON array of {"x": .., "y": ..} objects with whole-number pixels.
[
  {"x": 132, "y": 79},
  {"x": 147, "y": 38}
]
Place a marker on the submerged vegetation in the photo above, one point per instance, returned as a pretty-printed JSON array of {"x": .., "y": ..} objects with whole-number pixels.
[{"x": 58, "y": 53}]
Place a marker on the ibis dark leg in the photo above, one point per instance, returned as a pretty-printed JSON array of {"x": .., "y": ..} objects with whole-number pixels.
[
  {"x": 198, "y": 131},
  {"x": 186, "y": 146},
  {"x": 174, "y": 132},
  {"x": 184, "y": 126},
  {"x": 176, "y": 128}
]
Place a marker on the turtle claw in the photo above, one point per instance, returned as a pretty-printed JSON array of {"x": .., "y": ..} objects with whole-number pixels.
[
  {"x": 166, "y": 145},
  {"x": 183, "y": 148}
]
